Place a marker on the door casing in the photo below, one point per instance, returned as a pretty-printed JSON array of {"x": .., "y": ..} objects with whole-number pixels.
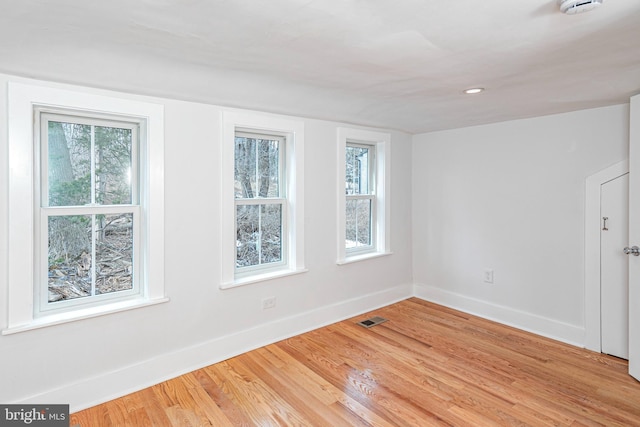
[{"x": 592, "y": 251}]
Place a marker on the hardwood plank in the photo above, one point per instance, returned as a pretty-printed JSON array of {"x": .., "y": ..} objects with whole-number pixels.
[
  {"x": 344, "y": 404},
  {"x": 401, "y": 381},
  {"x": 269, "y": 406},
  {"x": 207, "y": 405},
  {"x": 95, "y": 416},
  {"x": 154, "y": 407},
  {"x": 309, "y": 407},
  {"x": 427, "y": 366},
  {"x": 234, "y": 414}
]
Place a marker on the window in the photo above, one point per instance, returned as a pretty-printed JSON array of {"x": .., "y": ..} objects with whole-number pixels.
[
  {"x": 360, "y": 197},
  {"x": 263, "y": 199},
  {"x": 260, "y": 197},
  {"x": 86, "y": 197},
  {"x": 363, "y": 182},
  {"x": 88, "y": 235}
]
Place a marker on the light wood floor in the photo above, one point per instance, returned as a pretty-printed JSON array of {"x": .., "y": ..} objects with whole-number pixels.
[{"x": 428, "y": 365}]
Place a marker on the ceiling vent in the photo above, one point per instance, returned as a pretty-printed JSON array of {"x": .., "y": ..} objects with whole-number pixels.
[{"x": 571, "y": 7}]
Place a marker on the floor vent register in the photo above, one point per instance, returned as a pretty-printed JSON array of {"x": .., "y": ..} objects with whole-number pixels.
[{"x": 373, "y": 321}]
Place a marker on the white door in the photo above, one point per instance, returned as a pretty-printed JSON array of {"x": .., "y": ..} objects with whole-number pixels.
[
  {"x": 614, "y": 267},
  {"x": 634, "y": 238}
]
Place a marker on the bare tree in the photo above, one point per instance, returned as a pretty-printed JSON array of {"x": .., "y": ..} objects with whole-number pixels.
[{"x": 60, "y": 169}]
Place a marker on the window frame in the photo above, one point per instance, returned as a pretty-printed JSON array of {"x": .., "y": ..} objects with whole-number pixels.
[
  {"x": 42, "y": 116},
  {"x": 370, "y": 195},
  {"x": 380, "y": 209},
  {"x": 23, "y": 99},
  {"x": 293, "y": 173},
  {"x": 282, "y": 200}
]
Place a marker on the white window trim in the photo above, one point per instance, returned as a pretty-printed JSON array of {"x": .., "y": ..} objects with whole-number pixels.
[
  {"x": 42, "y": 307},
  {"x": 294, "y": 169},
  {"x": 382, "y": 142},
  {"x": 22, "y": 99}
]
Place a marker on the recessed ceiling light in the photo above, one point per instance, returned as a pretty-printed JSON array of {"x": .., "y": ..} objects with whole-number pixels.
[
  {"x": 571, "y": 7},
  {"x": 474, "y": 90}
]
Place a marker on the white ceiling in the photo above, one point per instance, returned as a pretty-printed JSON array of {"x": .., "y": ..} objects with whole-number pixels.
[{"x": 395, "y": 64}]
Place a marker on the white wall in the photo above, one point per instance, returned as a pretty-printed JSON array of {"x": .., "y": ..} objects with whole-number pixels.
[
  {"x": 510, "y": 196},
  {"x": 90, "y": 361}
]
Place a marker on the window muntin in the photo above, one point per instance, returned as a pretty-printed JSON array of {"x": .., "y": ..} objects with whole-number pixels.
[
  {"x": 88, "y": 199},
  {"x": 260, "y": 199},
  {"x": 360, "y": 197}
]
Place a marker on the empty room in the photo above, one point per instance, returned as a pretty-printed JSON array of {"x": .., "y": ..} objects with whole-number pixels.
[{"x": 320, "y": 213}]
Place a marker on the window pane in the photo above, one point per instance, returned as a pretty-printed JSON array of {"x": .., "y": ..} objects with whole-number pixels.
[
  {"x": 257, "y": 168},
  {"x": 357, "y": 172},
  {"x": 70, "y": 170},
  {"x": 114, "y": 253},
  {"x": 69, "y": 164},
  {"x": 71, "y": 271},
  {"x": 113, "y": 165},
  {"x": 271, "y": 233},
  {"x": 259, "y": 234},
  {"x": 358, "y": 223},
  {"x": 351, "y": 238},
  {"x": 247, "y": 230},
  {"x": 269, "y": 168},
  {"x": 69, "y": 257},
  {"x": 363, "y": 220}
]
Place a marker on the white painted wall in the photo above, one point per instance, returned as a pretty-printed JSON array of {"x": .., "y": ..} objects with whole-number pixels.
[
  {"x": 510, "y": 196},
  {"x": 93, "y": 360}
]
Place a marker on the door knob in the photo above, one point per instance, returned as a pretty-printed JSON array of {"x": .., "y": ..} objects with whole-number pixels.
[{"x": 633, "y": 250}]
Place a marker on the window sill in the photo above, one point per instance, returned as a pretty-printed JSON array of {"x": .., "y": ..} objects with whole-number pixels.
[
  {"x": 86, "y": 313},
  {"x": 261, "y": 278},
  {"x": 362, "y": 257}
]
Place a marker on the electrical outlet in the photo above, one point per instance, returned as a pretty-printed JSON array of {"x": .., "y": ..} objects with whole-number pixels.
[
  {"x": 268, "y": 303},
  {"x": 488, "y": 275}
]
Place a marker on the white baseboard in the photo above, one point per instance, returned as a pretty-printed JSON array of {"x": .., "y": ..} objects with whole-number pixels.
[
  {"x": 104, "y": 387},
  {"x": 539, "y": 325}
]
